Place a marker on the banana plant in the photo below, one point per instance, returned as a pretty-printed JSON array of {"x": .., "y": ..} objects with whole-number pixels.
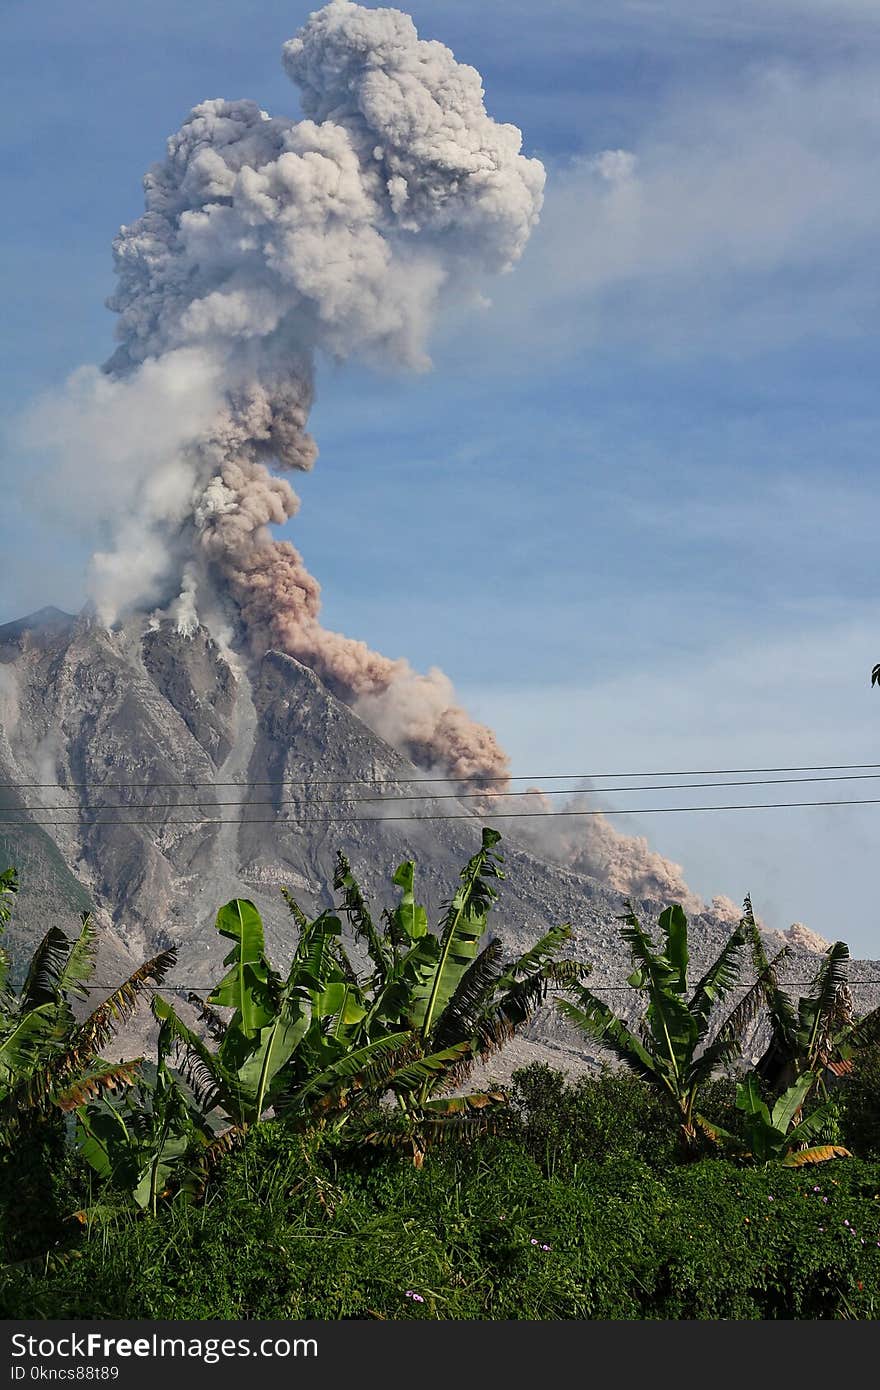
[
  {"x": 671, "y": 1047},
  {"x": 817, "y": 1031},
  {"x": 149, "y": 1140},
  {"x": 328, "y": 1040},
  {"x": 46, "y": 1055},
  {"x": 269, "y": 1020},
  {"x": 782, "y": 1134},
  {"x": 442, "y": 986},
  {"x": 457, "y": 1003},
  {"x": 159, "y": 1138},
  {"x": 8, "y": 890}
]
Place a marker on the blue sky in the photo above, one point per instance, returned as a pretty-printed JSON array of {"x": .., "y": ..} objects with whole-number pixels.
[{"x": 632, "y": 509}]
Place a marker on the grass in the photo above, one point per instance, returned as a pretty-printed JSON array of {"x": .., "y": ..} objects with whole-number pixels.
[{"x": 567, "y": 1216}]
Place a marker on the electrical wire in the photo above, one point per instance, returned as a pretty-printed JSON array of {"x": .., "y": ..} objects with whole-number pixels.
[
  {"x": 463, "y": 815},
  {"x": 425, "y": 781},
  {"x": 597, "y": 984},
  {"x": 457, "y": 796}
]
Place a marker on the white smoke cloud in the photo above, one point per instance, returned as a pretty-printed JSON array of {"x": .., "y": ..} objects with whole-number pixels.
[
  {"x": 46, "y": 758},
  {"x": 183, "y": 610},
  {"x": 803, "y": 938},
  {"x": 417, "y": 118},
  {"x": 591, "y": 845},
  {"x": 268, "y": 238},
  {"x": 419, "y": 713},
  {"x": 119, "y": 451},
  {"x": 726, "y": 909},
  {"x": 743, "y": 216}
]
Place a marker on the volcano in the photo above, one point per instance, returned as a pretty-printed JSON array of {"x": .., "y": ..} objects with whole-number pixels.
[{"x": 148, "y": 776}]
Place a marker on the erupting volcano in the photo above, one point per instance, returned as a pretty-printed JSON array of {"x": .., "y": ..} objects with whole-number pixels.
[{"x": 268, "y": 245}]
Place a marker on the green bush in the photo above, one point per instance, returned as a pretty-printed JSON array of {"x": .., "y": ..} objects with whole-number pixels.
[
  {"x": 41, "y": 1185},
  {"x": 292, "y": 1231},
  {"x": 860, "y": 1104},
  {"x": 611, "y": 1115},
  {"x": 593, "y": 1118}
]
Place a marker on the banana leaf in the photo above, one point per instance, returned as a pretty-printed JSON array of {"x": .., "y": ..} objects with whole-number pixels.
[
  {"x": 674, "y": 925},
  {"x": 427, "y": 1072},
  {"x": 362, "y": 1067},
  {"x": 463, "y": 925},
  {"x": 358, "y": 914},
  {"x": 820, "y": 1154},
  {"x": 790, "y": 1102},
  {"x": 594, "y": 1017},
  {"x": 245, "y": 987},
  {"x": 409, "y": 918}
]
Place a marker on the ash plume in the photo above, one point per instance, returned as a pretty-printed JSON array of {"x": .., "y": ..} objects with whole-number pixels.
[
  {"x": 267, "y": 244},
  {"x": 624, "y": 863}
]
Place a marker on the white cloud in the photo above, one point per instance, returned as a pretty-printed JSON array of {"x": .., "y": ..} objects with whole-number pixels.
[
  {"x": 739, "y": 219},
  {"x": 104, "y": 455},
  {"x": 770, "y": 701}
]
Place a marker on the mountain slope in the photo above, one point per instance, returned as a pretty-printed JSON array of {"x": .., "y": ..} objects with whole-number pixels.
[{"x": 173, "y": 780}]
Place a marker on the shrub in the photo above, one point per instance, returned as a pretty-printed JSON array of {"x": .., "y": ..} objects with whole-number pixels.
[
  {"x": 563, "y": 1124},
  {"x": 860, "y": 1104},
  {"x": 610, "y": 1115},
  {"x": 288, "y": 1230},
  {"x": 41, "y": 1186}
]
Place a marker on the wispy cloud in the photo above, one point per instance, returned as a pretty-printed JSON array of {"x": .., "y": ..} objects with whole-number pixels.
[
  {"x": 663, "y": 24},
  {"x": 737, "y": 220},
  {"x": 775, "y": 698}
]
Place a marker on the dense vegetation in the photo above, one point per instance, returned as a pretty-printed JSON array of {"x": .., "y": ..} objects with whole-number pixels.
[
  {"x": 582, "y": 1211},
  {"x": 309, "y": 1152}
]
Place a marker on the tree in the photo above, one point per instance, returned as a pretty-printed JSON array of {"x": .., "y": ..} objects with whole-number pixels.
[
  {"x": 818, "y": 1031},
  {"x": 781, "y": 1133},
  {"x": 47, "y": 1057},
  {"x": 8, "y": 890},
  {"x": 861, "y": 1103},
  {"x": 148, "y": 1139},
  {"x": 456, "y": 1003},
  {"x": 328, "y": 1040},
  {"x": 671, "y": 1047},
  {"x": 262, "y": 1047}
]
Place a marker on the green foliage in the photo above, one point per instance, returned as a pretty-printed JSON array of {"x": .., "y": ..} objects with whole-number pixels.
[
  {"x": 576, "y": 1206},
  {"x": 860, "y": 1104},
  {"x": 41, "y": 1185},
  {"x": 8, "y": 890},
  {"x": 613, "y": 1115},
  {"x": 47, "y": 1057},
  {"x": 817, "y": 1029},
  {"x": 671, "y": 1048},
  {"x": 150, "y": 1139},
  {"x": 242, "y": 1078},
  {"x": 602, "y": 1118},
  {"x": 326, "y": 1043},
  {"x": 291, "y": 1230},
  {"x": 784, "y": 1133},
  {"x": 461, "y": 929}
]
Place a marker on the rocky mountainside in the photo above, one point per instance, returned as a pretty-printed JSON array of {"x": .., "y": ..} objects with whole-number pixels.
[{"x": 152, "y": 778}]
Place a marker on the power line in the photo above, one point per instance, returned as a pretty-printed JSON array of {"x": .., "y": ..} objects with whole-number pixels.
[
  {"x": 463, "y": 815},
  {"x": 425, "y": 781},
  {"x": 596, "y": 984},
  {"x": 456, "y": 796}
]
